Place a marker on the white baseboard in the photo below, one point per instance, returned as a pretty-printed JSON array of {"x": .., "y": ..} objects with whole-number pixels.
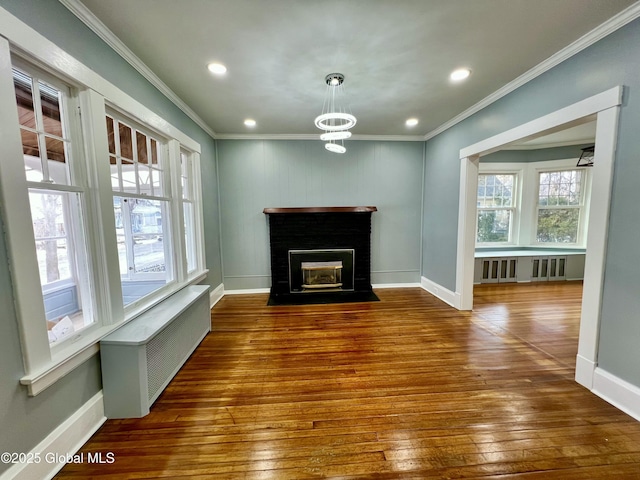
[
  {"x": 64, "y": 441},
  {"x": 396, "y": 285},
  {"x": 584, "y": 371},
  {"x": 247, "y": 291},
  {"x": 215, "y": 295},
  {"x": 442, "y": 293},
  {"x": 619, "y": 393}
]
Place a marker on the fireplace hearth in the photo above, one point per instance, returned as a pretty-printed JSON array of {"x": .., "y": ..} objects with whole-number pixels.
[{"x": 320, "y": 254}]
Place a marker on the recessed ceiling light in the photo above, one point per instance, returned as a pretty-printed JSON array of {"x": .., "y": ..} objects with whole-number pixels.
[
  {"x": 217, "y": 68},
  {"x": 460, "y": 74},
  {"x": 412, "y": 122},
  {"x": 250, "y": 122}
]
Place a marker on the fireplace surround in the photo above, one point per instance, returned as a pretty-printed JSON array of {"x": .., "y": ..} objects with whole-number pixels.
[{"x": 332, "y": 242}]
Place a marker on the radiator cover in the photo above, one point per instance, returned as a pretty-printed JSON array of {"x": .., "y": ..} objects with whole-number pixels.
[{"x": 140, "y": 358}]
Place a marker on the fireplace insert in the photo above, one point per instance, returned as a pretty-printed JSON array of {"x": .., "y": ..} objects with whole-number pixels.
[{"x": 312, "y": 271}]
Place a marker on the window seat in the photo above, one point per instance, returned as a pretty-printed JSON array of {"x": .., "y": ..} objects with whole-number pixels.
[{"x": 526, "y": 252}]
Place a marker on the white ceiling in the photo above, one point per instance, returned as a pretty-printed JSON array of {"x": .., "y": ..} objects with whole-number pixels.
[{"x": 396, "y": 55}]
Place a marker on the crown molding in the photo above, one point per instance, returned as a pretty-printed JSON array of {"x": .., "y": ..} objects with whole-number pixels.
[
  {"x": 614, "y": 23},
  {"x": 307, "y": 136},
  {"x": 100, "y": 29}
]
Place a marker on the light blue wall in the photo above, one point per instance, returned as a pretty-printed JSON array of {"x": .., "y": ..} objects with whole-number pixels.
[
  {"x": 610, "y": 62},
  {"x": 25, "y": 421},
  {"x": 257, "y": 174},
  {"x": 539, "y": 155},
  {"x": 56, "y": 23}
]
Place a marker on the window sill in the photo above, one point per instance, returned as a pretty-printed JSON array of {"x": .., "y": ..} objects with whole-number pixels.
[
  {"x": 527, "y": 252},
  {"x": 64, "y": 361},
  {"x": 75, "y": 352}
]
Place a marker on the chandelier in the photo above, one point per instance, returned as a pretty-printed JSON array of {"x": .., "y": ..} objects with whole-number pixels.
[{"x": 336, "y": 119}]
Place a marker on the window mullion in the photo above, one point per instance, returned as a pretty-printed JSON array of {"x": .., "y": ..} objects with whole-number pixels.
[
  {"x": 105, "y": 269},
  {"x": 149, "y": 164},
  {"x": 116, "y": 139},
  {"x": 196, "y": 196},
  {"x": 42, "y": 144},
  {"x": 20, "y": 239},
  {"x": 177, "y": 213},
  {"x": 134, "y": 157},
  {"x": 125, "y": 206}
]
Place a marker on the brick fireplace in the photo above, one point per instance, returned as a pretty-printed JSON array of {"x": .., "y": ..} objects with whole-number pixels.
[{"x": 320, "y": 251}]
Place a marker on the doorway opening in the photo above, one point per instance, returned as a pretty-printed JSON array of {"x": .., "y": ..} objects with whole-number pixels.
[{"x": 605, "y": 107}]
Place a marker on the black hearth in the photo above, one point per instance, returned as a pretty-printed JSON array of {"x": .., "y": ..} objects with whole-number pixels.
[{"x": 330, "y": 247}]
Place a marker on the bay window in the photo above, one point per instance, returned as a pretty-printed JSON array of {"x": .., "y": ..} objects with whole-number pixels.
[{"x": 533, "y": 204}]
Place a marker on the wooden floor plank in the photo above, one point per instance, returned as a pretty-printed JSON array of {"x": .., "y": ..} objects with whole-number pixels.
[{"x": 403, "y": 388}]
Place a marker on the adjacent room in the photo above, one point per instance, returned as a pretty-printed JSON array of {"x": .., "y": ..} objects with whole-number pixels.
[{"x": 294, "y": 239}]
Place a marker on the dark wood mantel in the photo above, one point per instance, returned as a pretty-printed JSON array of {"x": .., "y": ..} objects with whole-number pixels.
[{"x": 270, "y": 211}]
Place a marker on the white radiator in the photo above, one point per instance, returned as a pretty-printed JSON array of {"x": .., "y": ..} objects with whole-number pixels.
[{"x": 140, "y": 358}]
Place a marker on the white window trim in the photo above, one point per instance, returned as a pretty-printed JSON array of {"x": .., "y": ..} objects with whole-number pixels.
[
  {"x": 527, "y": 194},
  {"x": 585, "y": 195},
  {"x": 42, "y": 366},
  {"x": 514, "y": 230}
]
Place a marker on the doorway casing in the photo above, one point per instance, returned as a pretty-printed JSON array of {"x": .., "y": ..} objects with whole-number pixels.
[{"x": 605, "y": 106}]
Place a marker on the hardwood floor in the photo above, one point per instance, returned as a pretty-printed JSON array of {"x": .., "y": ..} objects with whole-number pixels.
[{"x": 406, "y": 387}]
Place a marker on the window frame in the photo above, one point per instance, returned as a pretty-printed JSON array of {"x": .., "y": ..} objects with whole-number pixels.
[
  {"x": 526, "y": 224},
  {"x": 512, "y": 238},
  {"x": 193, "y": 198},
  {"x": 44, "y": 365},
  {"x": 166, "y": 195},
  {"x": 581, "y": 230}
]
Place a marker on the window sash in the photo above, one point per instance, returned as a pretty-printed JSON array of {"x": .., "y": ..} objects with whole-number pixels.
[
  {"x": 512, "y": 207},
  {"x": 544, "y": 208},
  {"x": 44, "y": 365}
]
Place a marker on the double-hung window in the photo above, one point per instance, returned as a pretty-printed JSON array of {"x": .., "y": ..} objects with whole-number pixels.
[
  {"x": 141, "y": 201},
  {"x": 57, "y": 187},
  {"x": 537, "y": 204},
  {"x": 496, "y": 208},
  {"x": 189, "y": 197},
  {"x": 560, "y": 206},
  {"x": 102, "y": 214}
]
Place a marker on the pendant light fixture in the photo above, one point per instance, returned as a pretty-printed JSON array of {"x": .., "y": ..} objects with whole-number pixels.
[
  {"x": 586, "y": 158},
  {"x": 336, "y": 118}
]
